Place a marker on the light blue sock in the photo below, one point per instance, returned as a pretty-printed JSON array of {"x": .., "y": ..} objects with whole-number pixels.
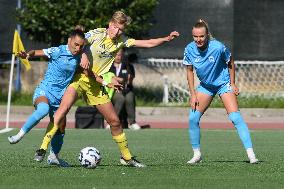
[
  {"x": 40, "y": 112},
  {"x": 57, "y": 142},
  {"x": 194, "y": 129},
  {"x": 242, "y": 128}
]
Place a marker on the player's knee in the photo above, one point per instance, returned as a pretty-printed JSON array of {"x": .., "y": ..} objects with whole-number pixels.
[
  {"x": 194, "y": 118},
  {"x": 42, "y": 110},
  {"x": 115, "y": 127},
  {"x": 114, "y": 122},
  {"x": 236, "y": 117}
]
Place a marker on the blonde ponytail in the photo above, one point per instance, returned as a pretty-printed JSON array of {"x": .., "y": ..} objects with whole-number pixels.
[{"x": 202, "y": 23}]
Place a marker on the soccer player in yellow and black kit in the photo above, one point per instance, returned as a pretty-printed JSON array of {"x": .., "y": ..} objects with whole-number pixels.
[{"x": 103, "y": 43}]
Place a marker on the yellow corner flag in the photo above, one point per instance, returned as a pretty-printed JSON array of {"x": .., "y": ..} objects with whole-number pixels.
[{"x": 18, "y": 47}]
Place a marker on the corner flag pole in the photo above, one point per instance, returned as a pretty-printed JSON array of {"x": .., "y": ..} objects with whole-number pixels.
[
  {"x": 18, "y": 84},
  {"x": 10, "y": 91},
  {"x": 7, "y": 129}
]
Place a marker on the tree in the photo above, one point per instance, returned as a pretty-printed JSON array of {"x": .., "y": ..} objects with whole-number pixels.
[{"x": 50, "y": 21}]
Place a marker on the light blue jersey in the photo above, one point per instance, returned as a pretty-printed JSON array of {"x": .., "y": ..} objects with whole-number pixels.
[
  {"x": 60, "y": 71},
  {"x": 212, "y": 70},
  {"x": 211, "y": 64}
]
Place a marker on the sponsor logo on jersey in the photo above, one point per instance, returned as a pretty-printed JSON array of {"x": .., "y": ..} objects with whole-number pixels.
[
  {"x": 105, "y": 54},
  {"x": 197, "y": 59}
]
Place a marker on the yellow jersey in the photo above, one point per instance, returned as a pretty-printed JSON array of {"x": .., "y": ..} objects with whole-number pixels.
[{"x": 101, "y": 50}]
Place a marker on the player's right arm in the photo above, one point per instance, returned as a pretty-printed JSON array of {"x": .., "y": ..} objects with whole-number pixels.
[
  {"x": 93, "y": 35},
  {"x": 190, "y": 80},
  {"x": 231, "y": 68},
  {"x": 31, "y": 53},
  {"x": 187, "y": 60}
]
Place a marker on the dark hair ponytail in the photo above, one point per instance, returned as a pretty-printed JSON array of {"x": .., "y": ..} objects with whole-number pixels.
[{"x": 78, "y": 31}]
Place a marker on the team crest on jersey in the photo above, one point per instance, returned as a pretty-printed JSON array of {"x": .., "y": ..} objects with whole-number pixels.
[
  {"x": 88, "y": 35},
  {"x": 211, "y": 59}
]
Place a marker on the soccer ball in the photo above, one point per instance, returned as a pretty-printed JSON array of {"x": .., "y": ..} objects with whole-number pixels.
[{"x": 90, "y": 157}]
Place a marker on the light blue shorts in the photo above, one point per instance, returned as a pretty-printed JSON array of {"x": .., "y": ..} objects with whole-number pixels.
[
  {"x": 212, "y": 91},
  {"x": 53, "y": 102}
]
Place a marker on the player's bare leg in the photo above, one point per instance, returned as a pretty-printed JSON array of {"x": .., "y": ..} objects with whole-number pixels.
[{"x": 107, "y": 110}]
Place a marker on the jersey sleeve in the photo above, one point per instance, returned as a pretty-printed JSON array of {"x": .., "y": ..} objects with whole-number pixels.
[
  {"x": 186, "y": 58},
  {"x": 226, "y": 54},
  {"x": 92, "y": 35},
  {"x": 51, "y": 52}
]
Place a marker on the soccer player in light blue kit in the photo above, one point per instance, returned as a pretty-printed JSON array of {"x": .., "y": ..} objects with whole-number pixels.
[
  {"x": 215, "y": 69},
  {"x": 63, "y": 62}
]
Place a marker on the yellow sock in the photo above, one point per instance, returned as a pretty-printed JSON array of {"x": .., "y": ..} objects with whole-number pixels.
[
  {"x": 49, "y": 127},
  {"x": 123, "y": 146},
  {"x": 50, "y": 132}
]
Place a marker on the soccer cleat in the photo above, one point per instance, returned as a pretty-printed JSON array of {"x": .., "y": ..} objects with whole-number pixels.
[
  {"x": 53, "y": 159},
  {"x": 253, "y": 160},
  {"x": 251, "y": 156},
  {"x": 134, "y": 126},
  {"x": 132, "y": 162},
  {"x": 14, "y": 139},
  {"x": 63, "y": 163},
  {"x": 195, "y": 159},
  {"x": 39, "y": 155}
]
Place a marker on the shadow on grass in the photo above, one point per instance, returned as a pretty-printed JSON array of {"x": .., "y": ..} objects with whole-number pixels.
[
  {"x": 101, "y": 166},
  {"x": 75, "y": 166},
  {"x": 231, "y": 161}
]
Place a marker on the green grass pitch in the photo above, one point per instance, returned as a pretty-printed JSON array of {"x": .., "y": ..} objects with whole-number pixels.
[{"x": 164, "y": 151}]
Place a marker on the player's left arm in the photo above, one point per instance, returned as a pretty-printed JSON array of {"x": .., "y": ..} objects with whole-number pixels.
[
  {"x": 155, "y": 42},
  {"x": 231, "y": 68}
]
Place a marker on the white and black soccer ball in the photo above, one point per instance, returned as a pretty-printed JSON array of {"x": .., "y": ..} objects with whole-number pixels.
[{"x": 90, "y": 157}]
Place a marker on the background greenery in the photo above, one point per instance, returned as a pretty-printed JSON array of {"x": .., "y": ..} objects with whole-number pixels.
[
  {"x": 51, "y": 21},
  {"x": 165, "y": 152}
]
